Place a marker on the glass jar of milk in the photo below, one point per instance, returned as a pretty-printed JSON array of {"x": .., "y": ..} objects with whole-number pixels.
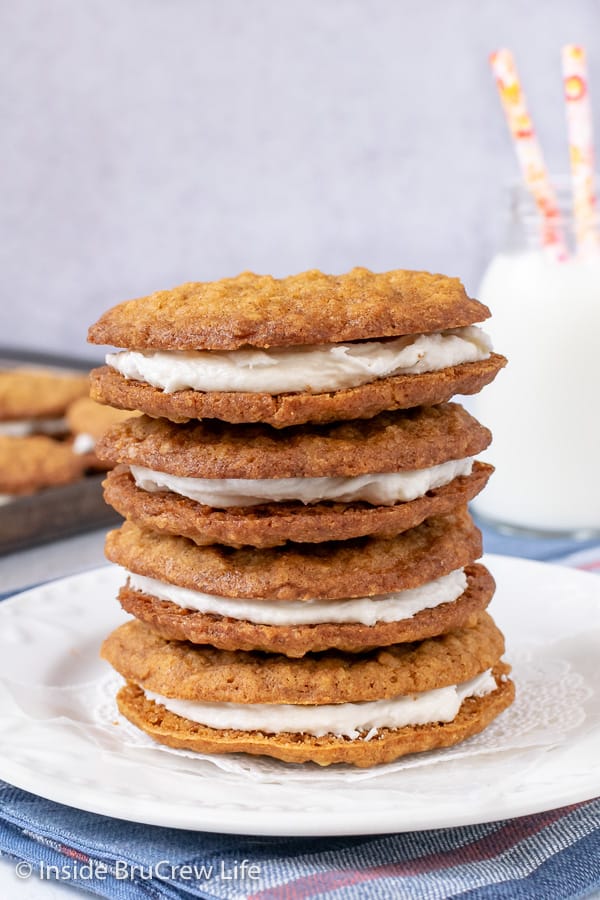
[{"x": 544, "y": 408}]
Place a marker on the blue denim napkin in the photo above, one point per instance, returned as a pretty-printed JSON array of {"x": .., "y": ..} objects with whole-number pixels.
[{"x": 550, "y": 855}]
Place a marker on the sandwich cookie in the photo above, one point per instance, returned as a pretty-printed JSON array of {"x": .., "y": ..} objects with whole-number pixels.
[
  {"x": 252, "y": 485},
  {"x": 308, "y": 348},
  {"x": 28, "y": 464},
  {"x": 34, "y": 401},
  {"x": 364, "y": 709},
  {"x": 301, "y": 598}
]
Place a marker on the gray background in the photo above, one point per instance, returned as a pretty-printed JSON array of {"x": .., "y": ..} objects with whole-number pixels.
[{"x": 145, "y": 142}]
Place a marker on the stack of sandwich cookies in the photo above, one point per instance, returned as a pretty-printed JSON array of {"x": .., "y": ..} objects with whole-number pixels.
[{"x": 313, "y": 522}]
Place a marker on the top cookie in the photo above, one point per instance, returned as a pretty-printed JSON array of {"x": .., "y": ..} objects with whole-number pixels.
[{"x": 309, "y": 308}]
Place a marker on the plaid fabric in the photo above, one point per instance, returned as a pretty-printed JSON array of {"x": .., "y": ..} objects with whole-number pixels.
[
  {"x": 551, "y": 855},
  {"x": 554, "y": 854}
]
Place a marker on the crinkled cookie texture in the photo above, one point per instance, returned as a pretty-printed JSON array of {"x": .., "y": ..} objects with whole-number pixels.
[
  {"x": 282, "y": 410},
  {"x": 273, "y": 524},
  {"x": 85, "y": 416},
  {"x": 176, "y": 623},
  {"x": 359, "y": 568},
  {"x": 38, "y": 393},
  {"x": 28, "y": 464},
  {"x": 202, "y": 673},
  {"x": 309, "y": 308},
  {"x": 475, "y": 714},
  {"x": 391, "y": 442}
]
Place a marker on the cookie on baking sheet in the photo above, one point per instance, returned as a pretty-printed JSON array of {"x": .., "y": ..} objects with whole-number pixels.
[
  {"x": 85, "y": 416},
  {"x": 362, "y": 709},
  {"x": 252, "y": 485},
  {"x": 88, "y": 421},
  {"x": 308, "y": 348},
  {"x": 363, "y": 567},
  {"x": 27, "y": 395},
  {"x": 28, "y": 464}
]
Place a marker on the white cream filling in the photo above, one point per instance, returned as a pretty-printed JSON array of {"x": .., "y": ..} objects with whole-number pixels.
[
  {"x": 392, "y": 607},
  {"x": 383, "y": 489},
  {"x": 341, "y": 719},
  {"x": 83, "y": 443},
  {"x": 7, "y": 498},
  {"x": 313, "y": 368},
  {"x": 25, "y": 427}
]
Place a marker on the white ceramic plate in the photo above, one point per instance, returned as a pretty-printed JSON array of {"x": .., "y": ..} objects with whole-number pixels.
[{"x": 49, "y": 638}]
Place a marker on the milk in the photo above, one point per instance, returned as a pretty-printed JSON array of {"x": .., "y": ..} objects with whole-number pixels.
[{"x": 544, "y": 408}]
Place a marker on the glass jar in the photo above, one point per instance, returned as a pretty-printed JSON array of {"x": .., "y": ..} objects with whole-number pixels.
[{"x": 544, "y": 408}]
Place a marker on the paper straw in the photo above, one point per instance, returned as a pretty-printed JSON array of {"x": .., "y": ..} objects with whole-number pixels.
[
  {"x": 529, "y": 152},
  {"x": 581, "y": 148}
]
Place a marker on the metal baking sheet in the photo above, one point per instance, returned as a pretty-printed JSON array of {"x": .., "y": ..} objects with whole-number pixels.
[{"x": 55, "y": 512}]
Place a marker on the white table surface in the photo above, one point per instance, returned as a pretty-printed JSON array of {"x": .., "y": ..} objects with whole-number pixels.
[
  {"x": 17, "y": 571},
  {"x": 27, "y": 567}
]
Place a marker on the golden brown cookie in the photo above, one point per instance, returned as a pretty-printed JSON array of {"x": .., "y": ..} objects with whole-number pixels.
[
  {"x": 282, "y": 410},
  {"x": 359, "y": 568},
  {"x": 28, "y": 464},
  {"x": 475, "y": 714},
  {"x": 272, "y": 524},
  {"x": 38, "y": 393},
  {"x": 189, "y": 672},
  {"x": 391, "y": 442},
  {"x": 176, "y": 623},
  {"x": 309, "y": 308}
]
